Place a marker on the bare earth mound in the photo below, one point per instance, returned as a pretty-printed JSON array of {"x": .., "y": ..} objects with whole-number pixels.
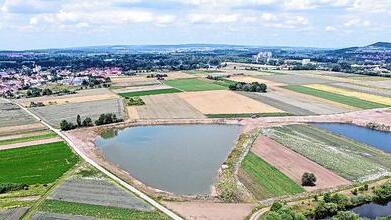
[
  {"x": 225, "y": 102},
  {"x": 211, "y": 211},
  {"x": 294, "y": 165},
  {"x": 164, "y": 106}
]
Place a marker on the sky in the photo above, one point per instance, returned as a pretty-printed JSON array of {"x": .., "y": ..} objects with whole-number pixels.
[{"x": 34, "y": 24}]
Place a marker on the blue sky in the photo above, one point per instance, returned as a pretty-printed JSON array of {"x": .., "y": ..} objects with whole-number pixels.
[{"x": 28, "y": 24}]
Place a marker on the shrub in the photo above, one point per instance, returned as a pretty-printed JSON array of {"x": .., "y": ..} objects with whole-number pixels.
[
  {"x": 324, "y": 210},
  {"x": 66, "y": 126},
  {"x": 308, "y": 179},
  {"x": 383, "y": 193},
  {"x": 107, "y": 119},
  {"x": 87, "y": 122},
  {"x": 7, "y": 187},
  {"x": 282, "y": 213},
  {"x": 248, "y": 87},
  {"x": 276, "y": 206}
]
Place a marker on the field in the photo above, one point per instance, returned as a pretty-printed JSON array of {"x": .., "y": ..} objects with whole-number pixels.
[
  {"x": 265, "y": 181},
  {"x": 385, "y": 84},
  {"x": 347, "y": 100},
  {"x": 294, "y": 165},
  {"x": 347, "y": 158},
  {"x": 54, "y": 114},
  {"x": 21, "y": 129},
  {"x": 149, "y": 92},
  {"x": 141, "y": 88},
  {"x": 98, "y": 191},
  {"x": 312, "y": 105},
  {"x": 163, "y": 106},
  {"x": 363, "y": 89},
  {"x": 80, "y": 96},
  {"x": 129, "y": 81},
  {"x": 98, "y": 211},
  {"x": 191, "y": 85},
  {"x": 13, "y": 214},
  {"x": 40, "y": 136},
  {"x": 37, "y": 164},
  {"x": 12, "y": 115},
  {"x": 225, "y": 102},
  {"x": 249, "y": 115},
  {"x": 295, "y": 79},
  {"x": 360, "y": 95}
]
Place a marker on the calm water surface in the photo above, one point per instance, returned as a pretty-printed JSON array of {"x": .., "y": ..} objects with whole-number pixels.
[
  {"x": 378, "y": 139},
  {"x": 183, "y": 159},
  {"x": 373, "y": 210}
]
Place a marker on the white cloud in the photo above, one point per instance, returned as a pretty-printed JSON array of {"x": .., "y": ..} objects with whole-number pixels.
[
  {"x": 357, "y": 22},
  {"x": 330, "y": 29}
]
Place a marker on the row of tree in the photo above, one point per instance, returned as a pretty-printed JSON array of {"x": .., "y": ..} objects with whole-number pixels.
[
  {"x": 248, "y": 87},
  {"x": 87, "y": 122}
]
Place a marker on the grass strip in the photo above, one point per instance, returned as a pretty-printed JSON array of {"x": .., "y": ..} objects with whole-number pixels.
[
  {"x": 27, "y": 139},
  {"x": 266, "y": 177},
  {"x": 150, "y": 92},
  {"x": 192, "y": 85},
  {"x": 347, "y": 100},
  {"x": 249, "y": 115},
  {"x": 98, "y": 211},
  {"x": 43, "y": 163}
]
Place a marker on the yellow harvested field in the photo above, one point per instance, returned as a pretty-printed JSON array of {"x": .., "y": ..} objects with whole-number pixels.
[
  {"x": 360, "y": 95},
  {"x": 249, "y": 79},
  {"x": 369, "y": 78},
  {"x": 225, "y": 102},
  {"x": 81, "y": 96}
]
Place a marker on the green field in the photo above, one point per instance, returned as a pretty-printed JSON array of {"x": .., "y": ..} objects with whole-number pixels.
[
  {"x": 101, "y": 212},
  {"x": 45, "y": 135},
  {"x": 36, "y": 164},
  {"x": 348, "y": 158},
  {"x": 347, "y": 100},
  {"x": 150, "y": 92},
  {"x": 265, "y": 181},
  {"x": 192, "y": 85},
  {"x": 249, "y": 115}
]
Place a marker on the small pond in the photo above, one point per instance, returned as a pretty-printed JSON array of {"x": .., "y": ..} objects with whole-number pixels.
[
  {"x": 373, "y": 210},
  {"x": 183, "y": 159},
  {"x": 378, "y": 139}
]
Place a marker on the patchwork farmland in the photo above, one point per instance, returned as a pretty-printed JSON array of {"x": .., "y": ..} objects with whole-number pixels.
[{"x": 54, "y": 114}]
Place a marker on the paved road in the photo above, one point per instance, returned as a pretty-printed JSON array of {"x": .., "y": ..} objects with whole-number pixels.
[{"x": 103, "y": 170}]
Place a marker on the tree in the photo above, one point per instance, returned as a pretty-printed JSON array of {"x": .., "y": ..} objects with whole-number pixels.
[
  {"x": 65, "y": 125},
  {"x": 308, "y": 179},
  {"x": 87, "y": 122},
  {"x": 78, "y": 120},
  {"x": 346, "y": 215},
  {"x": 47, "y": 92}
]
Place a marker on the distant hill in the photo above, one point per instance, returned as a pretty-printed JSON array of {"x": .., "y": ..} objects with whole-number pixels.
[{"x": 375, "y": 52}]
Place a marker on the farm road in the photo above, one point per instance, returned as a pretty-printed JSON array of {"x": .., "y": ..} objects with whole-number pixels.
[{"x": 103, "y": 170}]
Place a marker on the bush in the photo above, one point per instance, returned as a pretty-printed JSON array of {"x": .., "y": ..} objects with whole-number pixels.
[
  {"x": 325, "y": 209},
  {"x": 346, "y": 215},
  {"x": 107, "y": 119},
  {"x": 248, "y": 87},
  {"x": 308, "y": 179},
  {"x": 135, "y": 101},
  {"x": 87, "y": 122},
  {"x": 383, "y": 193},
  {"x": 7, "y": 187},
  {"x": 66, "y": 126},
  {"x": 283, "y": 212}
]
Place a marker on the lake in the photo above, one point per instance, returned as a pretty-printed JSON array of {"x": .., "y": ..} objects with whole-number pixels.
[
  {"x": 183, "y": 159},
  {"x": 378, "y": 139}
]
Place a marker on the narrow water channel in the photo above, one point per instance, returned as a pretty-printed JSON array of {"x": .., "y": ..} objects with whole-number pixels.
[{"x": 378, "y": 139}]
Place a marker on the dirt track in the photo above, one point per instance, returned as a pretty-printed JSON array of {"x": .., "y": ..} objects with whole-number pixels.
[
  {"x": 208, "y": 210},
  {"x": 294, "y": 165}
]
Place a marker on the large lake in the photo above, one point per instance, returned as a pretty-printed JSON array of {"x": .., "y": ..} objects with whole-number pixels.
[
  {"x": 378, "y": 139},
  {"x": 183, "y": 159}
]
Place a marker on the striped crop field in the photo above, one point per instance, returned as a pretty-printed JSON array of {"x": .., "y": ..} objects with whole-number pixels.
[
  {"x": 42, "y": 163},
  {"x": 361, "y": 95},
  {"x": 343, "y": 99},
  {"x": 264, "y": 180}
]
